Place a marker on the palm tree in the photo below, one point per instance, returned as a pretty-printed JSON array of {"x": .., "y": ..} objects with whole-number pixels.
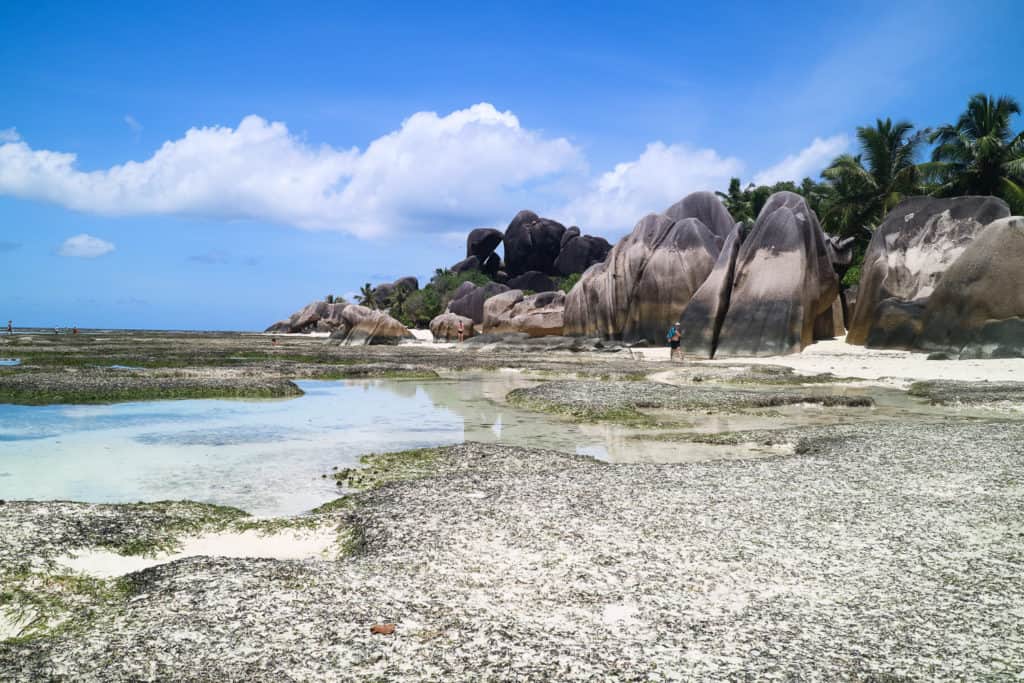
[
  {"x": 365, "y": 296},
  {"x": 737, "y": 200},
  {"x": 867, "y": 185},
  {"x": 980, "y": 154}
]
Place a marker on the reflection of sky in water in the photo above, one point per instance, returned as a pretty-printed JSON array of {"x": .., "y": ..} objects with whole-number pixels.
[{"x": 262, "y": 456}]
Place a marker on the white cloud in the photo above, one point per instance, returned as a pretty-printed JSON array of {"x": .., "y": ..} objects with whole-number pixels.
[
  {"x": 133, "y": 123},
  {"x": 434, "y": 173},
  {"x": 808, "y": 162},
  {"x": 661, "y": 176},
  {"x": 85, "y": 246},
  {"x": 9, "y": 135}
]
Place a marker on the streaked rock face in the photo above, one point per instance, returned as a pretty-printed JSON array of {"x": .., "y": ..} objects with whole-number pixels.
[
  {"x": 908, "y": 254},
  {"x": 537, "y": 315},
  {"x": 704, "y": 313},
  {"x": 647, "y": 278},
  {"x": 977, "y": 308},
  {"x": 783, "y": 280},
  {"x": 353, "y": 325}
]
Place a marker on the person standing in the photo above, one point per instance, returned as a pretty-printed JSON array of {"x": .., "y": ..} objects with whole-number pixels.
[
  {"x": 461, "y": 329},
  {"x": 675, "y": 336},
  {"x": 10, "y": 327}
]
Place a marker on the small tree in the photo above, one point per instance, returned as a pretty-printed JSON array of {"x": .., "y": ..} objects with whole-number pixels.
[{"x": 365, "y": 296}]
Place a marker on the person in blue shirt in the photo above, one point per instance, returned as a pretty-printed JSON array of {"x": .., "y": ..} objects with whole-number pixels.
[{"x": 675, "y": 335}]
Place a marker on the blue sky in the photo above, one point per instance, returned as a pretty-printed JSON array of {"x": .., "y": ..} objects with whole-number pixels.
[{"x": 231, "y": 164}]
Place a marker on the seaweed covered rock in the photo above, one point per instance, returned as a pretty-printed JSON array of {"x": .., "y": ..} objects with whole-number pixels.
[
  {"x": 646, "y": 280},
  {"x": 532, "y": 243},
  {"x": 977, "y": 308},
  {"x": 907, "y": 256},
  {"x": 445, "y": 327},
  {"x": 783, "y": 281},
  {"x": 537, "y": 315}
]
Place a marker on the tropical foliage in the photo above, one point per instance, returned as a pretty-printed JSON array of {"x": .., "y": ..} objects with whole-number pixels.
[
  {"x": 366, "y": 297},
  {"x": 980, "y": 154}
]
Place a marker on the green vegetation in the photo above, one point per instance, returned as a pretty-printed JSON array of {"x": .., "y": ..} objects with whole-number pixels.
[
  {"x": 569, "y": 281},
  {"x": 417, "y": 309},
  {"x": 978, "y": 155},
  {"x": 365, "y": 296},
  {"x": 624, "y": 415},
  {"x": 379, "y": 469}
]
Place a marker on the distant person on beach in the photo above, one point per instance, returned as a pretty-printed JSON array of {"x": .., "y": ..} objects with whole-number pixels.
[
  {"x": 461, "y": 328},
  {"x": 675, "y": 335},
  {"x": 74, "y": 330},
  {"x": 10, "y": 327},
  {"x": 273, "y": 341}
]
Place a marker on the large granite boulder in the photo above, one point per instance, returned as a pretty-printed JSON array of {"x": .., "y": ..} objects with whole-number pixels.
[
  {"x": 579, "y": 252},
  {"x": 445, "y": 327},
  {"x": 382, "y": 292},
  {"x": 644, "y": 283},
  {"x": 704, "y": 313},
  {"x": 309, "y": 317},
  {"x": 977, "y": 308},
  {"x": 537, "y": 315},
  {"x": 491, "y": 265},
  {"x": 783, "y": 280},
  {"x": 352, "y": 324},
  {"x": 909, "y": 252},
  {"x": 482, "y": 242},
  {"x": 532, "y": 243},
  {"x": 532, "y": 280},
  {"x": 468, "y": 299},
  {"x": 361, "y": 326},
  {"x": 708, "y": 209}
]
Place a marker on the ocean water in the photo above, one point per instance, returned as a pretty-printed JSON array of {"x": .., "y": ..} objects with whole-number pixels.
[{"x": 265, "y": 456}]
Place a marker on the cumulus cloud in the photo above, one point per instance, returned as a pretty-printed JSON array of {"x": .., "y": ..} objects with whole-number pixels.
[
  {"x": 808, "y": 162},
  {"x": 662, "y": 175},
  {"x": 9, "y": 135},
  {"x": 434, "y": 173},
  {"x": 85, "y": 246}
]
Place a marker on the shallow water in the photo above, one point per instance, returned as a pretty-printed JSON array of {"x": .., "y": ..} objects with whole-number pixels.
[{"x": 267, "y": 457}]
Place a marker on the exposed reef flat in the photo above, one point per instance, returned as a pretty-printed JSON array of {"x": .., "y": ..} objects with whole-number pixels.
[
  {"x": 879, "y": 551},
  {"x": 625, "y": 401}
]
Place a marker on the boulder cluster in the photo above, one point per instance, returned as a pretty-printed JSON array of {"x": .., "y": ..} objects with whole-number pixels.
[
  {"x": 944, "y": 276},
  {"x": 350, "y": 324},
  {"x": 536, "y": 251},
  {"x": 738, "y": 290}
]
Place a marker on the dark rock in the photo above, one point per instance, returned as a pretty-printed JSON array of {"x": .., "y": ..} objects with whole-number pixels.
[
  {"x": 501, "y": 276},
  {"x": 644, "y": 283},
  {"x": 568, "y": 235},
  {"x": 580, "y": 252},
  {"x": 491, "y": 265},
  {"x": 534, "y": 281},
  {"x": 896, "y": 324},
  {"x": 782, "y": 281},
  {"x": 469, "y": 299},
  {"x": 466, "y": 265},
  {"x": 482, "y": 242},
  {"x": 532, "y": 243},
  {"x": 977, "y": 309},
  {"x": 909, "y": 252},
  {"x": 382, "y": 292},
  {"x": 409, "y": 283}
]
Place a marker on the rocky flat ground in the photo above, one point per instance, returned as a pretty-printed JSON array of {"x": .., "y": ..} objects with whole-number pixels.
[
  {"x": 878, "y": 551},
  {"x": 874, "y": 550}
]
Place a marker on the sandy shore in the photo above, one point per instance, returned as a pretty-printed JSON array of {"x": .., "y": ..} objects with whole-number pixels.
[{"x": 894, "y": 368}]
